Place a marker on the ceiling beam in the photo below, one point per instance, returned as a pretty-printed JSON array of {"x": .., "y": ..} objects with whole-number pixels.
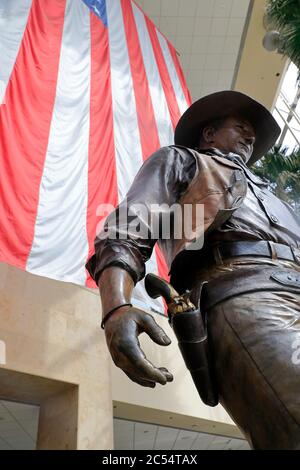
[{"x": 259, "y": 73}]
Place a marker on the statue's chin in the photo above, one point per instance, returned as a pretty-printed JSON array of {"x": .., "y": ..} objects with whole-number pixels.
[{"x": 244, "y": 157}]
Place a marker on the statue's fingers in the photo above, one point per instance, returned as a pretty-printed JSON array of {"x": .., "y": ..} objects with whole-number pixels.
[
  {"x": 168, "y": 374},
  {"x": 155, "y": 332},
  {"x": 139, "y": 381},
  {"x": 140, "y": 366}
]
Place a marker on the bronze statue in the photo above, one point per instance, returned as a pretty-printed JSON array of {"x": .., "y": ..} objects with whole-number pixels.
[{"x": 245, "y": 277}]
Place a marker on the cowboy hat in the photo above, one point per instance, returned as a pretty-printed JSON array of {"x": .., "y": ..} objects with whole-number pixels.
[{"x": 223, "y": 104}]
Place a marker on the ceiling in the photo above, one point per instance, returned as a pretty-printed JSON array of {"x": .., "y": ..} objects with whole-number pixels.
[
  {"x": 207, "y": 35},
  {"x": 18, "y": 425},
  {"x": 129, "y": 435}
]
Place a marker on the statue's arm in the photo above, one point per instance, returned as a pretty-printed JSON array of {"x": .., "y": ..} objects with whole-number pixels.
[{"x": 119, "y": 263}]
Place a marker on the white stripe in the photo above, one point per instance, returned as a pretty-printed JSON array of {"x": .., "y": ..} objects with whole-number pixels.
[
  {"x": 60, "y": 245},
  {"x": 126, "y": 131},
  {"x": 182, "y": 104},
  {"x": 160, "y": 105},
  {"x": 13, "y": 20}
]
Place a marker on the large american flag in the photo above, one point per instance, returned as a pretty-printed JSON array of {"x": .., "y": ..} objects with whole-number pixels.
[{"x": 88, "y": 90}]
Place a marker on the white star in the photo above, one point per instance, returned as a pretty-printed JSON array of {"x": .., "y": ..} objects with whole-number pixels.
[{"x": 96, "y": 10}]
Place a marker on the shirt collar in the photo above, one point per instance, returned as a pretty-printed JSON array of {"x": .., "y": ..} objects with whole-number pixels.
[{"x": 234, "y": 157}]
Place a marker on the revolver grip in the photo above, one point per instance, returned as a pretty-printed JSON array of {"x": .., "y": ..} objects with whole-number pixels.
[{"x": 156, "y": 287}]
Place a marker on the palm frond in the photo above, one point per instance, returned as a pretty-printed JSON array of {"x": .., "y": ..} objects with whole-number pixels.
[
  {"x": 285, "y": 15},
  {"x": 282, "y": 173},
  {"x": 281, "y": 12}
]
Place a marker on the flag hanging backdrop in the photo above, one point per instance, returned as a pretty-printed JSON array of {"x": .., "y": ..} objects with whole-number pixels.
[{"x": 88, "y": 90}]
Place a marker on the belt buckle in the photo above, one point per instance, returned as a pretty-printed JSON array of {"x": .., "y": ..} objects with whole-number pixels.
[
  {"x": 273, "y": 251},
  {"x": 218, "y": 258},
  {"x": 296, "y": 254}
]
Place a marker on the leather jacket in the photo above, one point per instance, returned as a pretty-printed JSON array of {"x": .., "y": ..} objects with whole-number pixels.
[{"x": 185, "y": 176}]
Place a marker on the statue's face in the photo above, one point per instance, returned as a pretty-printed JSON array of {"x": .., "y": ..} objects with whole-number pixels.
[{"x": 235, "y": 135}]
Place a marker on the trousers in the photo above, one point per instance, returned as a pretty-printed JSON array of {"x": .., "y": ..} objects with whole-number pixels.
[{"x": 255, "y": 343}]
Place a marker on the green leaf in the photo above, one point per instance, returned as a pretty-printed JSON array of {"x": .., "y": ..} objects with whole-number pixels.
[
  {"x": 282, "y": 173},
  {"x": 285, "y": 15}
]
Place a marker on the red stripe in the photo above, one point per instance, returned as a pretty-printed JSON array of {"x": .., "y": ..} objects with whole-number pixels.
[
  {"x": 102, "y": 179},
  {"x": 161, "y": 263},
  {"x": 145, "y": 112},
  {"x": 164, "y": 74},
  {"x": 144, "y": 106},
  {"x": 163, "y": 270},
  {"x": 24, "y": 127},
  {"x": 180, "y": 74}
]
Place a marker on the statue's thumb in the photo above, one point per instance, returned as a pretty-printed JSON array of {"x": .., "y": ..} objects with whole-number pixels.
[{"x": 155, "y": 332}]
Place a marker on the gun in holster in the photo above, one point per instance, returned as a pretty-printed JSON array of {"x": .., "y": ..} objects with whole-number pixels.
[{"x": 190, "y": 328}]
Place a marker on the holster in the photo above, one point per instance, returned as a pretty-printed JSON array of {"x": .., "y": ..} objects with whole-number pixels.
[{"x": 190, "y": 329}]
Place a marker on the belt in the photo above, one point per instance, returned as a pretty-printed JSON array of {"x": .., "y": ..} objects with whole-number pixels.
[
  {"x": 266, "y": 249},
  {"x": 248, "y": 280}
]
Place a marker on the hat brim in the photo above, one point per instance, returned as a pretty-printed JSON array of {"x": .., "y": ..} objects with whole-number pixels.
[{"x": 223, "y": 104}]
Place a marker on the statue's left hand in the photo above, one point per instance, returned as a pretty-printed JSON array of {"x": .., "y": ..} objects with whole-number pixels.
[{"x": 122, "y": 330}]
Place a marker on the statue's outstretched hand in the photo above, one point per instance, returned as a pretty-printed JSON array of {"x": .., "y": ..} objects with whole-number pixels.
[{"x": 122, "y": 330}]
